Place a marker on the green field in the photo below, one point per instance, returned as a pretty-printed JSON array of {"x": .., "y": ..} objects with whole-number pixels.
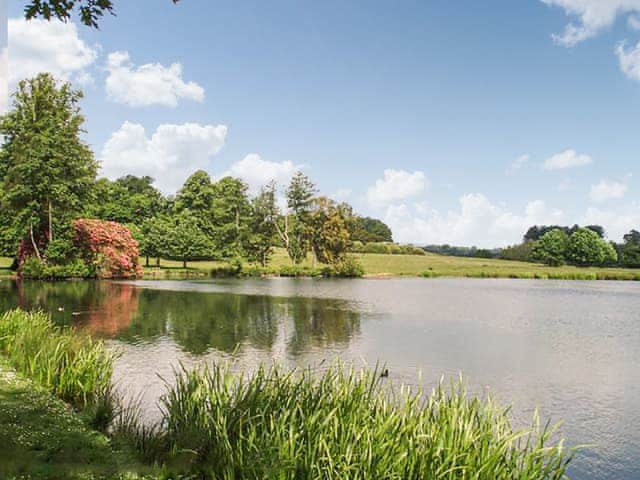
[{"x": 384, "y": 265}]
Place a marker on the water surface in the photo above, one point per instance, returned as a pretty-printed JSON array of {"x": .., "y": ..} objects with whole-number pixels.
[{"x": 572, "y": 349}]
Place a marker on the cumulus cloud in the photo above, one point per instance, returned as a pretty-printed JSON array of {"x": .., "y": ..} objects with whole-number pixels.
[
  {"x": 48, "y": 46},
  {"x": 606, "y": 190},
  {"x": 617, "y": 222},
  {"x": 477, "y": 222},
  {"x": 396, "y": 185},
  {"x": 257, "y": 172},
  {"x": 170, "y": 155},
  {"x": 567, "y": 159},
  {"x": 592, "y": 16},
  {"x": 629, "y": 59},
  {"x": 149, "y": 84},
  {"x": 634, "y": 22},
  {"x": 519, "y": 162}
]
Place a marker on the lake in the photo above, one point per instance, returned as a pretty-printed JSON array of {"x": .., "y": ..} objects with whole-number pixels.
[{"x": 571, "y": 349}]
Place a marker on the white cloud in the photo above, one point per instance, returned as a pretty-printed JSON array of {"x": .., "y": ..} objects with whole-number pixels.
[
  {"x": 519, "y": 162},
  {"x": 48, "y": 46},
  {"x": 593, "y": 17},
  {"x": 567, "y": 159},
  {"x": 396, "y": 185},
  {"x": 477, "y": 222},
  {"x": 629, "y": 60},
  {"x": 149, "y": 84},
  {"x": 257, "y": 172},
  {"x": 170, "y": 155},
  {"x": 634, "y": 22},
  {"x": 606, "y": 190},
  {"x": 341, "y": 195},
  {"x": 617, "y": 222}
]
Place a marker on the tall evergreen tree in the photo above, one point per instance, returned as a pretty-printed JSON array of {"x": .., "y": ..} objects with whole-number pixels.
[{"x": 47, "y": 171}]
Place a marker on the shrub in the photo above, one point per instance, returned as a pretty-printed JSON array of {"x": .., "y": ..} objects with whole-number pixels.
[
  {"x": 109, "y": 247},
  {"x": 350, "y": 267},
  {"x": 32, "y": 268},
  {"x": 552, "y": 248},
  {"x": 587, "y": 248}
]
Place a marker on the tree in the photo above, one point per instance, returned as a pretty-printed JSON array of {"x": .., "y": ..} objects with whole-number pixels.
[
  {"x": 330, "y": 236},
  {"x": 587, "y": 248},
  {"x": 230, "y": 211},
  {"x": 367, "y": 229},
  {"x": 259, "y": 245},
  {"x": 129, "y": 200},
  {"x": 47, "y": 171},
  {"x": 552, "y": 248},
  {"x": 296, "y": 229},
  {"x": 186, "y": 240},
  {"x": 90, "y": 11},
  {"x": 197, "y": 196},
  {"x": 153, "y": 236},
  {"x": 630, "y": 250}
]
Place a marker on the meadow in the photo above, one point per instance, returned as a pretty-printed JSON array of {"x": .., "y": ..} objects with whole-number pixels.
[{"x": 429, "y": 265}]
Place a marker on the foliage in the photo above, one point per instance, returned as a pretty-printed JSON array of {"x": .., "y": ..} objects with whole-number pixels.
[
  {"x": 552, "y": 248},
  {"x": 67, "y": 363},
  {"x": 521, "y": 252},
  {"x": 630, "y": 250},
  {"x": 109, "y": 247},
  {"x": 128, "y": 200},
  {"x": 32, "y": 268},
  {"x": 186, "y": 239},
  {"x": 330, "y": 238},
  {"x": 47, "y": 171},
  {"x": 230, "y": 214},
  {"x": 387, "y": 248},
  {"x": 89, "y": 11},
  {"x": 454, "y": 251},
  {"x": 297, "y": 230},
  {"x": 343, "y": 423},
  {"x": 348, "y": 267},
  {"x": 587, "y": 248},
  {"x": 259, "y": 244},
  {"x": 154, "y": 237},
  {"x": 536, "y": 232},
  {"x": 367, "y": 229}
]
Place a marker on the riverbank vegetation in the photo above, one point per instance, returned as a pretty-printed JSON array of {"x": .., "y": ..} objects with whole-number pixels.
[{"x": 336, "y": 423}]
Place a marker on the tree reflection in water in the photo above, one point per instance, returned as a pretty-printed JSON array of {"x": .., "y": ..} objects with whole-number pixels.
[{"x": 196, "y": 321}]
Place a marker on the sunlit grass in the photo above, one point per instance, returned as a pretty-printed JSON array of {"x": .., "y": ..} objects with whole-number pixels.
[
  {"x": 66, "y": 362},
  {"x": 341, "y": 424},
  {"x": 433, "y": 265}
]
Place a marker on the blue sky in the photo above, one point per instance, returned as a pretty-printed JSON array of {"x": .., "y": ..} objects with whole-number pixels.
[{"x": 455, "y": 121}]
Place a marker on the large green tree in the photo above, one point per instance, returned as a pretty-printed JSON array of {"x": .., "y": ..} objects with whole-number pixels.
[
  {"x": 552, "y": 248},
  {"x": 630, "y": 250},
  {"x": 261, "y": 239},
  {"x": 330, "y": 237},
  {"x": 197, "y": 196},
  {"x": 587, "y": 248},
  {"x": 186, "y": 241},
  {"x": 230, "y": 212},
  {"x": 47, "y": 171},
  {"x": 89, "y": 11},
  {"x": 295, "y": 228}
]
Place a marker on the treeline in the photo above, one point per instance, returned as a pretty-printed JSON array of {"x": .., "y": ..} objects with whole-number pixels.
[
  {"x": 582, "y": 246},
  {"x": 473, "y": 252},
  {"x": 48, "y": 179}
]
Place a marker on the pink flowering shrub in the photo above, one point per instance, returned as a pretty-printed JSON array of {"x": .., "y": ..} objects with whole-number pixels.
[{"x": 109, "y": 247}]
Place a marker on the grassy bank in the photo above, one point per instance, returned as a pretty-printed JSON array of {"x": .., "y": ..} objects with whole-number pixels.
[
  {"x": 42, "y": 437},
  {"x": 5, "y": 263},
  {"x": 429, "y": 265}
]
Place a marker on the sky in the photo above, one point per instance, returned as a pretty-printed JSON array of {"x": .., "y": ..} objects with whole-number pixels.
[{"x": 454, "y": 121}]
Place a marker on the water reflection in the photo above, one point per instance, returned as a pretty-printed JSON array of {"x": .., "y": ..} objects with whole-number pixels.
[{"x": 196, "y": 321}]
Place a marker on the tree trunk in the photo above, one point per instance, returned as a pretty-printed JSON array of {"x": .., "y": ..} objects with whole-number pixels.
[
  {"x": 33, "y": 243},
  {"x": 184, "y": 264},
  {"x": 50, "y": 222},
  {"x": 158, "y": 262},
  {"x": 147, "y": 261}
]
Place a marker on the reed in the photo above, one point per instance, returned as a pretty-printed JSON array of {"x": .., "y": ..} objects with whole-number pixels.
[
  {"x": 344, "y": 424},
  {"x": 66, "y": 362}
]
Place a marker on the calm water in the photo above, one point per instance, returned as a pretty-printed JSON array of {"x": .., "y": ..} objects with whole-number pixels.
[{"x": 572, "y": 349}]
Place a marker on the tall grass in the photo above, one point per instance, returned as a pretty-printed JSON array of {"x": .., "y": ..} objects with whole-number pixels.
[
  {"x": 343, "y": 424},
  {"x": 68, "y": 363}
]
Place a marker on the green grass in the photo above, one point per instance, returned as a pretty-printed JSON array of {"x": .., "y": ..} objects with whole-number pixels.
[
  {"x": 67, "y": 363},
  {"x": 5, "y": 263},
  {"x": 342, "y": 424},
  {"x": 429, "y": 265},
  {"x": 41, "y": 437}
]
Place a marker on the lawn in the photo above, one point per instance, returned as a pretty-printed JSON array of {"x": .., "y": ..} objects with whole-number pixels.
[
  {"x": 383, "y": 265},
  {"x": 5, "y": 263},
  {"x": 42, "y": 437}
]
